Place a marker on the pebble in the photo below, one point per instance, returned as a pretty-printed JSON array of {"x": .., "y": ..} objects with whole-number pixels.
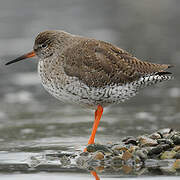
[
  {"x": 130, "y": 140},
  {"x": 165, "y": 141},
  {"x": 165, "y": 132},
  {"x": 168, "y": 155},
  {"x": 176, "y": 139},
  {"x": 177, "y": 156},
  {"x": 155, "y": 150},
  {"x": 176, "y": 148},
  {"x": 146, "y": 141},
  {"x": 98, "y": 147},
  {"x": 65, "y": 161},
  {"x": 176, "y": 164},
  {"x": 161, "y": 148},
  {"x": 126, "y": 169},
  {"x": 127, "y": 155},
  {"x": 99, "y": 156},
  {"x": 155, "y": 136},
  {"x": 157, "y": 153},
  {"x": 119, "y": 148},
  {"x": 142, "y": 153}
]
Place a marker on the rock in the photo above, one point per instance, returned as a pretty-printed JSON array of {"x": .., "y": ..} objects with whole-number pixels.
[
  {"x": 99, "y": 156},
  {"x": 126, "y": 169},
  {"x": 98, "y": 147},
  {"x": 84, "y": 153},
  {"x": 168, "y": 170},
  {"x": 176, "y": 139},
  {"x": 130, "y": 140},
  {"x": 177, "y": 156},
  {"x": 145, "y": 141},
  {"x": 142, "y": 153},
  {"x": 168, "y": 155},
  {"x": 165, "y": 132},
  {"x": 176, "y": 148},
  {"x": 117, "y": 161},
  {"x": 155, "y": 136},
  {"x": 165, "y": 141},
  {"x": 157, "y": 153},
  {"x": 133, "y": 149},
  {"x": 127, "y": 155},
  {"x": 119, "y": 148},
  {"x": 155, "y": 150},
  {"x": 176, "y": 164},
  {"x": 82, "y": 162},
  {"x": 165, "y": 147},
  {"x": 65, "y": 161}
]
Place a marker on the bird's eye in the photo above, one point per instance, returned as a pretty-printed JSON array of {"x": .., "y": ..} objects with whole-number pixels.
[{"x": 43, "y": 45}]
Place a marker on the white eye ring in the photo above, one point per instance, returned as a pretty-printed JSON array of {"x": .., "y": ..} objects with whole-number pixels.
[{"x": 43, "y": 45}]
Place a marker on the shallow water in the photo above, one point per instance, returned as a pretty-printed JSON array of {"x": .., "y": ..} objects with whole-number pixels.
[{"x": 33, "y": 123}]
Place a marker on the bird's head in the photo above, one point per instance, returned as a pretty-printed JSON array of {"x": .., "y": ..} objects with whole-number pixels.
[{"x": 46, "y": 44}]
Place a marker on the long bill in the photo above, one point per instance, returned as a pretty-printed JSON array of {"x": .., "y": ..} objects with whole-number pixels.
[{"x": 25, "y": 56}]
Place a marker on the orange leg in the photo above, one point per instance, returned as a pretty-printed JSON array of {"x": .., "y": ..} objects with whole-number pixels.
[
  {"x": 98, "y": 114},
  {"x": 95, "y": 175}
]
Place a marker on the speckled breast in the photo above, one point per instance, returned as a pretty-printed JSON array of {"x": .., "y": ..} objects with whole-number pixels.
[{"x": 72, "y": 90}]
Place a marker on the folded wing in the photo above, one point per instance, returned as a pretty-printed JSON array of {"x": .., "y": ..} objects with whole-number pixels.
[{"x": 97, "y": 64}]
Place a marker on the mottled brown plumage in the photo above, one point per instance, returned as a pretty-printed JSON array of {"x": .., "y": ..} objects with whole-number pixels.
[{"x": 98, "y": 64}]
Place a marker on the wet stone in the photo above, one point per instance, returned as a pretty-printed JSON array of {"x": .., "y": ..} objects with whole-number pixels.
[
  {"x": 176, "y": 164},
  {"x": 130, "y": 140},
  {"x": 164, "y": 132},
  {"x": 155, "y": 150},
  {"x": 60, "y": 155},
  {"x": 82, "y": 162},
  {"x": 128, "y": 137},
  {"x": 177, "y": 156},
  {"x": 35, "y": 161},
  {"x": 142, "y": 153},
  {"x": 98, "y": 156},
  {"x": 168, "y": 170},
  {"x": 119, "y": 148},
  {"x": 165, "y": 141},
  {"x": 176, "y": 139},
  {"x": 155, "y": 136},
  {"x": 168, "y": 155},
  {"x": 165, "y": 147},
  {"x": 126, "y": 156},
  {"x": 146, "y": 141},
  {"x": 84, "y": 154},
  {"x": 127, "y": 169},
  {"x": 133, "y": 148},
  {"x": 153, "y": 163},
  {"x": 154, "y": 153},
  {"x": 116, "y": 161},
  {"x": 98, "y": 147},
  {"x": 65, "y": 161},
  {"x": 176, "y": 148}
]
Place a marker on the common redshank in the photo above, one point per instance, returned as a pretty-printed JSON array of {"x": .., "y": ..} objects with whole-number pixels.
[{"x": 90, "y": 72}]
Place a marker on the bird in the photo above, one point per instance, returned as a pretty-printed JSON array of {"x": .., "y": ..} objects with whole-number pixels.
[{"x": 89, "y": 72}]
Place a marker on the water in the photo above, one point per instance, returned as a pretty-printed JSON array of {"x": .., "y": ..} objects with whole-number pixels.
[{"x": 33, "y": 123}]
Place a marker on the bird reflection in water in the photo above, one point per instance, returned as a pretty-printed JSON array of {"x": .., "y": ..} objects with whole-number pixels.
[{"x": 94, "y": 173}]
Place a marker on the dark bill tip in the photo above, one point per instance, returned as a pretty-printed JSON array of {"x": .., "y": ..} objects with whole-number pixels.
[{"x": 25, "y": 56}]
